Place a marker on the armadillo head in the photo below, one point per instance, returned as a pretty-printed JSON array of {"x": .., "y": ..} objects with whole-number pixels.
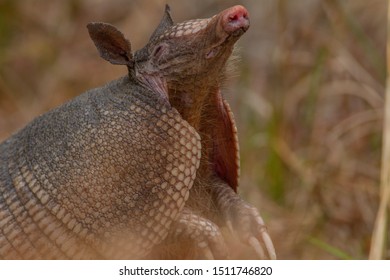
[
  {"x": 193, "y": 51},
  {"x": 177, "y": 56}
]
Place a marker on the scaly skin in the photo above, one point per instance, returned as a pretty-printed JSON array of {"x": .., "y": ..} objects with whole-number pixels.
[
  {"x": 99, "y": 177},
  {"x": 149, "y": 160}
]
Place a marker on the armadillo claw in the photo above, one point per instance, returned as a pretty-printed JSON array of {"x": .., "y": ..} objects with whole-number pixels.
[
  {"x": 269, "y": 245},
  {"x": 250, "y": 227},
  {"x": 257, "y": 247}
]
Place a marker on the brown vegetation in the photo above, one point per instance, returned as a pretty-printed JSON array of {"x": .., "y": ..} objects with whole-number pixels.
[{"x": 308, "y": 96}]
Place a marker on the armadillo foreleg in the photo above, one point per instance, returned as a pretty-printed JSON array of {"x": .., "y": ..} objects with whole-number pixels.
[{"x": 242, "y": 219}]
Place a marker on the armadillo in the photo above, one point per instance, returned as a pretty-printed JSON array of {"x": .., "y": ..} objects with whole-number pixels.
[{"x": 147, "y": 162}]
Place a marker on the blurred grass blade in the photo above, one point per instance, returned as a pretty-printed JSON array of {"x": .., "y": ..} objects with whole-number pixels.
[
  {"x": 378, "y": 241},
  {"x": 330, "y": 249}
]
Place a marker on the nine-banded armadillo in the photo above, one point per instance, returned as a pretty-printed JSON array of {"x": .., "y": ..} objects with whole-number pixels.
[{"x": 145, "y": 163}]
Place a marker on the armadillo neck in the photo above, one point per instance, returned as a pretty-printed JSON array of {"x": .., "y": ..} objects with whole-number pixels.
[
  {"x": 198, "y": 107},
  {"x": 194, "y": 103}
]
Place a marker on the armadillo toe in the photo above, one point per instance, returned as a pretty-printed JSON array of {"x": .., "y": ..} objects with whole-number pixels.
[{"x": 249, "y": 226}]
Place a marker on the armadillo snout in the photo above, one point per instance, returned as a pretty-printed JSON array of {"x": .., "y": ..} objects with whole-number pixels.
[{"x": 235, "y": 18}]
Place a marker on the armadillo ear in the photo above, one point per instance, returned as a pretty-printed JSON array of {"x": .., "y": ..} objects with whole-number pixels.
[
  {"x": 165, "y": 23},
  {"x": 111, "y": 43}
]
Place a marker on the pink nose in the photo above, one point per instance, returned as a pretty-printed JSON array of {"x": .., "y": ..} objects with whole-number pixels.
[{"x": 235, "y": 18}]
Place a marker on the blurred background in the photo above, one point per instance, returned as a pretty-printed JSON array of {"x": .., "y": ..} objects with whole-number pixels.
[{"x": 308, "y": 97}]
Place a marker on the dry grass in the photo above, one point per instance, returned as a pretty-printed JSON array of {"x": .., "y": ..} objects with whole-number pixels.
[
  {"x": 308, "y": 97},
  {"x": 379, "y": 242}
]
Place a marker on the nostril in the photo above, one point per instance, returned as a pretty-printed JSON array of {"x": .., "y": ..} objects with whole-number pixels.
[
  {"x": 238, "y": 15},
  {"x": 233, "y": 17}
]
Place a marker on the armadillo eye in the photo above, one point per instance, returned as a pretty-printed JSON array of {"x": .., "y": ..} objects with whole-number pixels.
[{"x": 157, "y": 50}]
